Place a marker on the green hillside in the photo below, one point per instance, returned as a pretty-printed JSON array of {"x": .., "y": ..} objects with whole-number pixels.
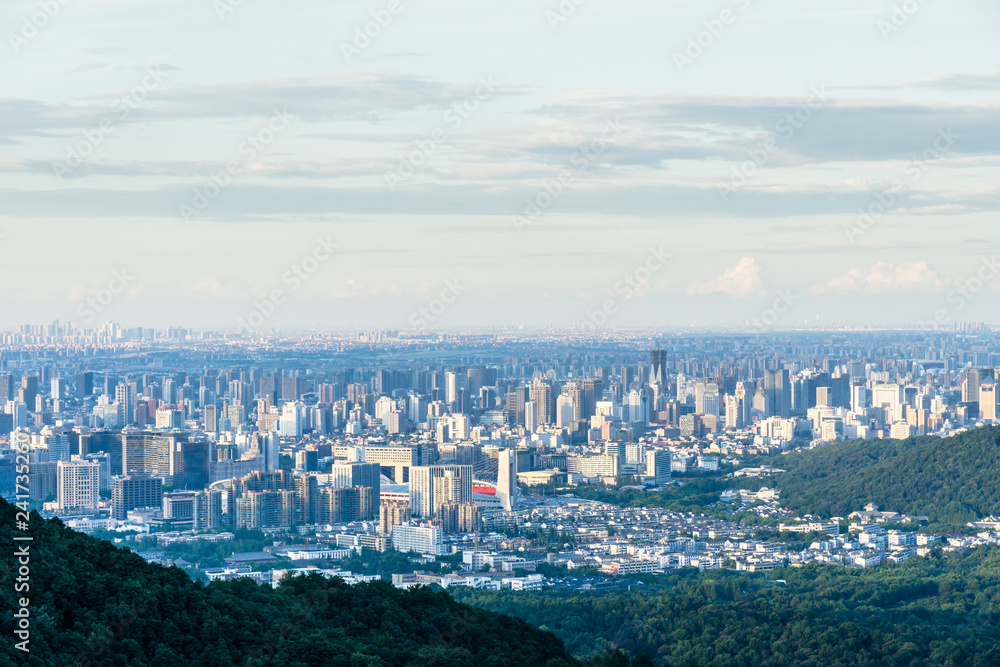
[
  {"x": 950, "y": 480},
  {"x": 95, "y": 605},
  {"x": 942, "y": 610}
]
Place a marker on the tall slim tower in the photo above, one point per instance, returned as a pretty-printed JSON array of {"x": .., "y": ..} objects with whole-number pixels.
[
  {"x": 658, "y": 366},
  {"x": 507, "y": 479}
]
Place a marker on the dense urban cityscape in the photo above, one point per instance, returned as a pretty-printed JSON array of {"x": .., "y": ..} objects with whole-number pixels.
[
  {"x": 462, "y": 443},
  {"x": 379, "y": 333}
]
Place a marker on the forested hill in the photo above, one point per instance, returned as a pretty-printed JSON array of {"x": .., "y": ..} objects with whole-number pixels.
[
  {"x": 93, "y": 604},
  {"x": 951, "y": 480}
]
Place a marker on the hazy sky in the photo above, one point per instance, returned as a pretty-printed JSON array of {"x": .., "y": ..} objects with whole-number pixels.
[{"x": 654, "y": 163}]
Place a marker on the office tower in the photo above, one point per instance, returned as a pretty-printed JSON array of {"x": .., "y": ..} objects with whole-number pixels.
[
  {"x": 658, "y": 465},
  {"x": 824, "y": 396},
  {"x": 988, "y": 401},
  {"x": 104, "y": 461},
  {"x": 57, "y": 388},
  {"x": 28, "y": 390},
  {"x": 778, "y": 388},
  {"x": 733, "y": 415},
  {"x": 541, "y": 396},
  {"x": 658, "y": 366},
  {"x": 291, "y": 420},
  {"x": 289, "y": 389},
  {"x": 627, "y": 374},
  {"x": 452, "y": 383},
  {"x": 268, "y": 446},
  {"x": 859, "y": 396},
  {"x": 975, "y": 378},
  {"x": 79, "y": 484},
  {"x": 211, "y": 418},
  {"x": 591, "y": 390},
  {"x": 507, "y": 479},
  {"x": 422, "y": 483},
  {"x": 744, "y": 397},
  {"x": 706, "y": 398},
  {"x": 572, "y": 389},
  {"x": 889, "y": 397},
  {"x": 530, "y": 417},
  {"x": 639, "y": 408},
  {"x": 565, "y": 411},
  {"x": 167, "y": 418},
  {"x": 307, "y": 460},
  {"x": 135, "y": 492},
  {"x": 269, "y": 390},
  {"x": 6, "y": 387},
  {"x": 168, "y": 394}
]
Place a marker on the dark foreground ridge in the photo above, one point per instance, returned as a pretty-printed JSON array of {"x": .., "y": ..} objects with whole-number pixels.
[{"x": 93, "y": 604}]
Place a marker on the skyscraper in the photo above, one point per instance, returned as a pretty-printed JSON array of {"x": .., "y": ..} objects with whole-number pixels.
[
  {"x": 422, "y": 484},
  {"x": 658, "y": 366},
  {"x": 976, "y": 378},
  {"x": 778, "y": 388}
]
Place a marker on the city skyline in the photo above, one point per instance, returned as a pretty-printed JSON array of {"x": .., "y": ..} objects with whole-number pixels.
[{"x": 573, "y": 166}]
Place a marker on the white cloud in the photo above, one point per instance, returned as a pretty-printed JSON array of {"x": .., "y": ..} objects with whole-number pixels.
[
  {"x": 884, "y": 278},
  {"x": 742, "y": 280}
]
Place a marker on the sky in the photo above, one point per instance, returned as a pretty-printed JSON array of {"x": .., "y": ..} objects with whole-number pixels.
[{"x": 434, "y": 164}]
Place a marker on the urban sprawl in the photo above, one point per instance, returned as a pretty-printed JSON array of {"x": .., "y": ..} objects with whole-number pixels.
[{"x": 468, "y": 447}]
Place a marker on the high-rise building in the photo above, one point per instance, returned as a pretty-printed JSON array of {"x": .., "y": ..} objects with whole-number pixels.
[
  {"x": 976, "y": 378},
  {"x": 530, "y": 417},
  {"x": 208, "y": 514},
  {"x": 859, "y": 395},
  {"x": 6, "y": 387},
  {"x": 345, "y": 505},
  {"x": 541, "y": 396},
  {"x": 779, "y": 391},
  {"x": 423, "y": 480},
  {"x": 290, "y": 389},
  {"x": 124, "y": 399},
  {"x": 306, "y": 499},
  {"x": 988, "y": 401},
  {"x": 392, "y": 513},
  {"x": 79, "y": 483},
  {"x": 658, "y": 366},
  {"x": 28, "y": 390},
  {"x": 658, "y": 465},
  {"x": 211, "y": 412},
  {"x": 347, "y": 475},
  {"x": 291, "y": 420},
  {"x": 565, "y": 411},
  {"x": 135, "y": 492}
]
